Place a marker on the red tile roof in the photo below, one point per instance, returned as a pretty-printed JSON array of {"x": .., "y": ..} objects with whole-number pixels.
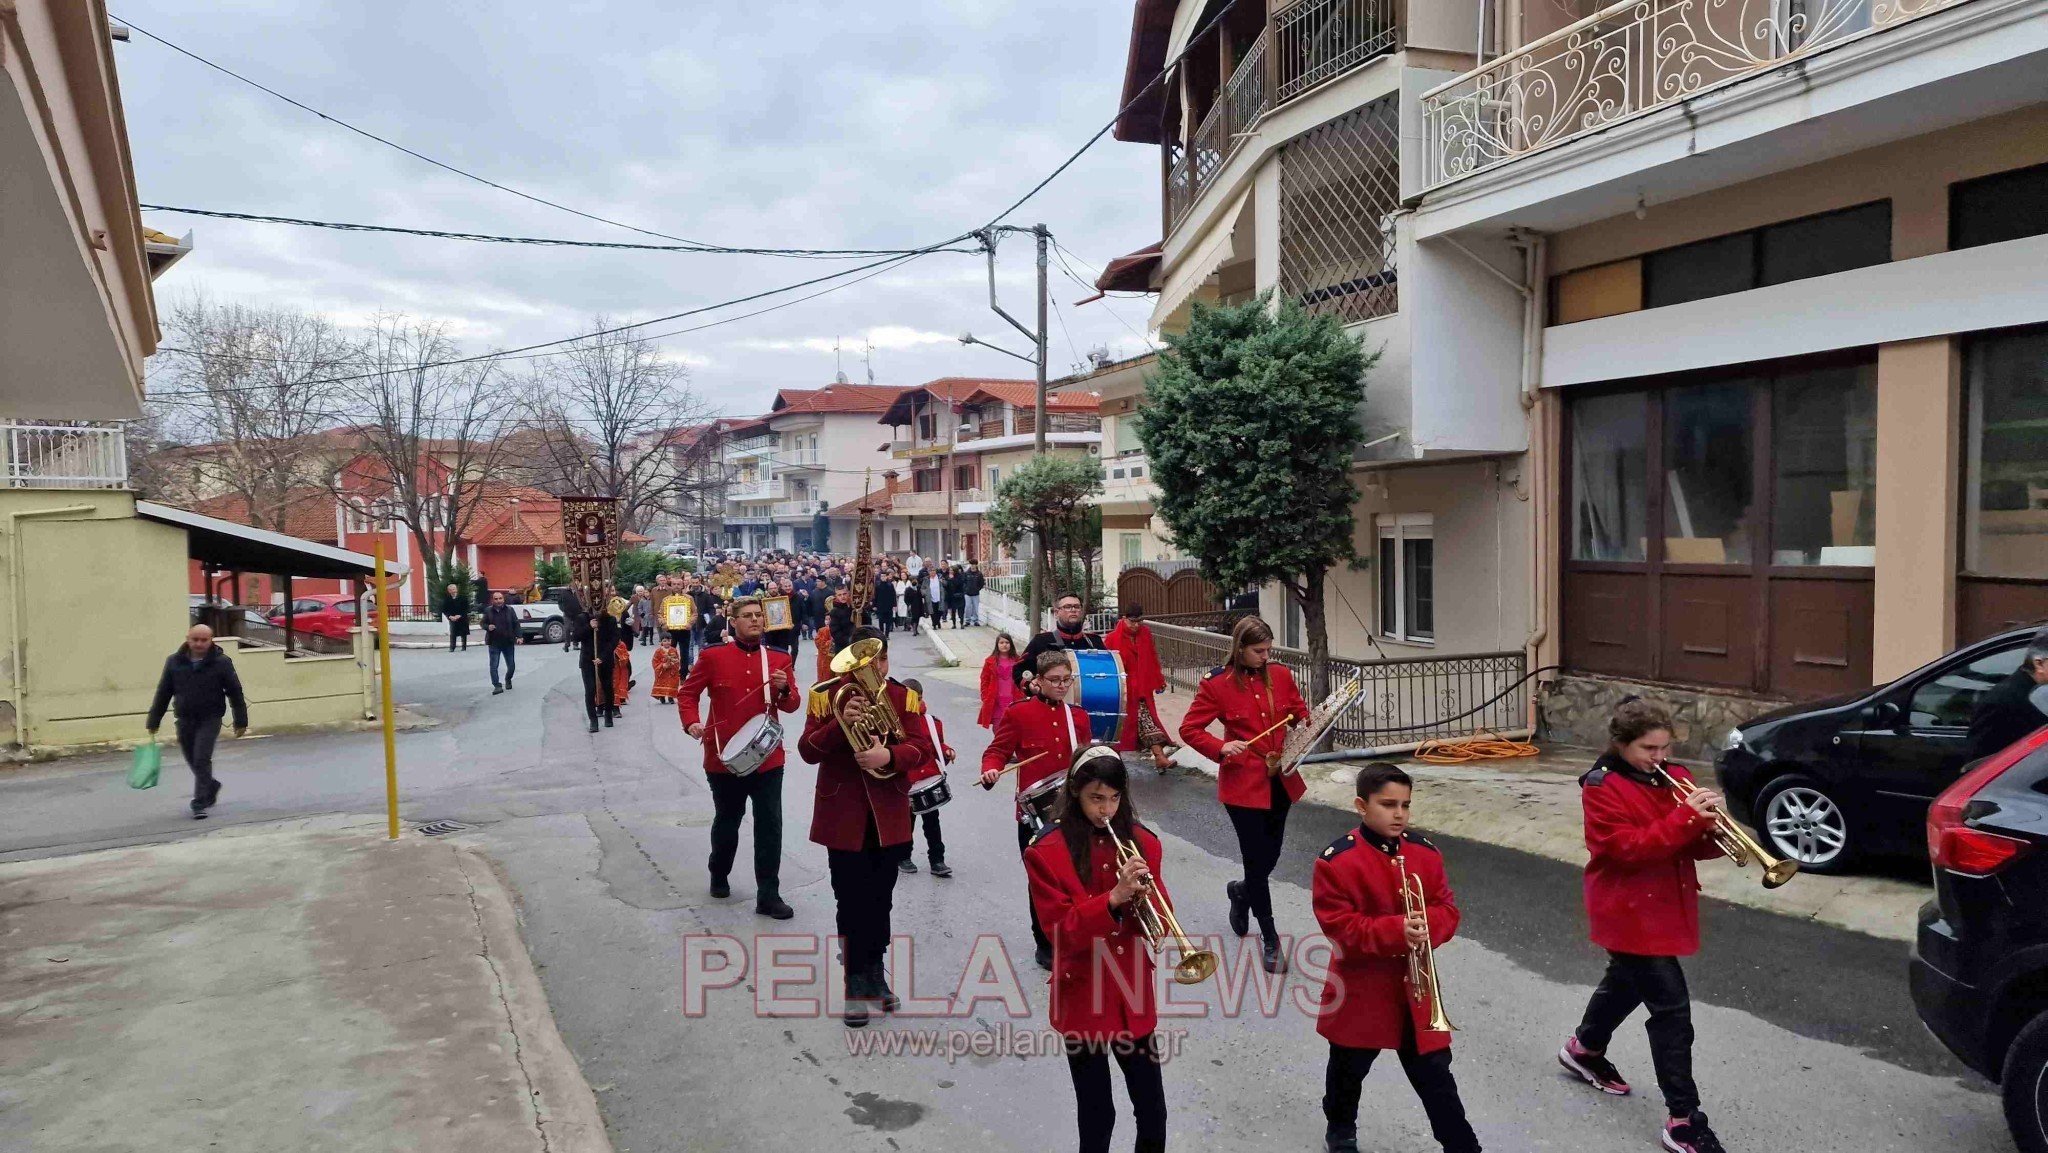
[
  {"x": 513, "y": 516},
  {"x": 308, "y": 513},
  {"x": 1132, "y": 272},
  {"x": 1023, "y": 394},
  {"x": 878, "y": 500},
  {"x": 854, "y": 398},
  {"x": 949, "y": 389}
]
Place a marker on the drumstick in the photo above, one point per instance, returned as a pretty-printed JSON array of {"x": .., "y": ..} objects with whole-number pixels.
[
  {"x": 1018, "y": 765},
  {"x": 1282, "y": 723}
]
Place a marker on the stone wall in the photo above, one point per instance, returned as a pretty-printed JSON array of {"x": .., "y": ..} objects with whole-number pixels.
[{"x": 1575, "y": 711}]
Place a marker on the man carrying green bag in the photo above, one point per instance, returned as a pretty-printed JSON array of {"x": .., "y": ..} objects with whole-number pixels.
[{"x": 202, "y": 680}]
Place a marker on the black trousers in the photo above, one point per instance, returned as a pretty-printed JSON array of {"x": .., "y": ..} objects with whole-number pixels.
[
  {"x": 458, "y": 632},
  {"x": 1659, "y": 984},
  {"x": 1429, "y": 1074},
  {"x": 864, "y": 889},
  {"x": 934, "y": 840},
  {"x": 730, "y": 795},
  {"x": 1095, "y": 1098},
  {"x": 1260, "y": 833},
  {"x": 682, "y": 639},
  {"x": 1038, "y": 936},
  {"x": 597, "y": 687},
  {"x": 195, "y": 739}
]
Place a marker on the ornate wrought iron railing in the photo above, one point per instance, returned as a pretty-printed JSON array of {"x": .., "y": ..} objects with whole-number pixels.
[
  {"x": 65, "y": 456},
  {"x": 1406, "y": 701},
  {"x": 1238, "y": 105},
  {"x": 1626, "y": 60},
  {"x": 1319, "y": 40}
]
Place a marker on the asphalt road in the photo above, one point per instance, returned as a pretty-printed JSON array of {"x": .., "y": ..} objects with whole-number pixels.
[{"x": 1806, "y": 1037}]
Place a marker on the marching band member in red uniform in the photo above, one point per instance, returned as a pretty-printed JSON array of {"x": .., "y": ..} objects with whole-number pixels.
[
  {"x": 744, "y": 680},
  {"x": 1250, "y": 694},
  {"x": 934, "y": 837},
  {"x": 1643, "y": 900},
  {"x": 1131, "y": 640},
  {"x": 864, "y": 821},
  {"x": 1367, "y": 1003},
  {"x": 1039, "y": 735},
  {"x": 1102, "y": 972}
]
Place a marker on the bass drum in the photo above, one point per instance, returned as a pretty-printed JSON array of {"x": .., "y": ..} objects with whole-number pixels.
[
  {"x": 751, "y": 747},
  {"x": 1104, "y": 692}
]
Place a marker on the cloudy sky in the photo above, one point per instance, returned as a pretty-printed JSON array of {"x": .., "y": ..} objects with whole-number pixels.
[{"x": 789, "y": 123}]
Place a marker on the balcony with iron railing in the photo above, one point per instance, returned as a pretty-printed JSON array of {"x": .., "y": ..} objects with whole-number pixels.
[
  {"x": 64, "y": 456},
  {"x": 1305, "y": 45},
  {"x": 1056, "y": 422},
  {"x": 1625, "y": 61},
  {"x": 751, "y": 446},
  {"x": 800, "y": 508},
  {"x": 933, "y": 503}
]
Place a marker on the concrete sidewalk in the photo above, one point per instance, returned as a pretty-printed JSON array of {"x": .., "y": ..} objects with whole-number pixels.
[
  {"x": 1532, "y": 804},
  {"x": 308, "y": 987}
]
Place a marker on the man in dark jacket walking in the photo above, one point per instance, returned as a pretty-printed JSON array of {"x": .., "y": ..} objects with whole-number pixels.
[
  {"x": 501, "y": 636},
  {"x": 971, "y": 583},
  {"x": 201, "y": 680}
]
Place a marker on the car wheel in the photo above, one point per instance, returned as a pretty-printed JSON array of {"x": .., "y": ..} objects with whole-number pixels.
[
  {"x": 554, "y": 632},
  {"x": 1802, "y": 820},
  {"x": 2025, "y": 1087}
]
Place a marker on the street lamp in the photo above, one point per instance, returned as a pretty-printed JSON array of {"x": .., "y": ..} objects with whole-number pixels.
[{"x": 970, "y": 338}]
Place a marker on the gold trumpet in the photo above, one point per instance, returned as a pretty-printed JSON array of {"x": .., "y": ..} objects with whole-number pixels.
[
  {"x": 1158, "y": 924},
  {"x": 1740, "y": 847},
  {"x": 1735, "y": 842},
  {"x": 855, "y": 666},
  {"x": 1422, "y": 979}
]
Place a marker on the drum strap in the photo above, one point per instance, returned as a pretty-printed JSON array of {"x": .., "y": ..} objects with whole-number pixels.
[
  {"x": 931, "y": 731},
  {"x": 1067, "y": 715},
  {"x": 767, "y": 693}
]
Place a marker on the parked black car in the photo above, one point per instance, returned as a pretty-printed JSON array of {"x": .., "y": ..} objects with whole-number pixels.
[
  {"x": 1979, "y": 972},
  {"x": 1830, "y": 782}
]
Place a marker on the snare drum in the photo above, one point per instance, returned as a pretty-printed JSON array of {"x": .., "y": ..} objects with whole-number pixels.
[
  {"x": 1038, "y": 800},
  {"x": 751, "y": 746},
  {"x": 927, "y": 795},
  {"x": 1100, "y": 675}
]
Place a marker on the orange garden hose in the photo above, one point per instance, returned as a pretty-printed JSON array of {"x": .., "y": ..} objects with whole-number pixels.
[{"x": 1489, "y": 748}]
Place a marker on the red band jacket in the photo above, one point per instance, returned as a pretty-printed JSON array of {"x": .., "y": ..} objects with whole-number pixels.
[
  {"x": 1030, "y": 727},
  {"x": 1367, "y": 1003},
  {"x": 1101, "y": 963},
  {"x": 732, "y": 677},
  {"x": 1246, "y": 711},
  {"x": 847, "y": 797},
  {"x": 1642, "y": 892}
]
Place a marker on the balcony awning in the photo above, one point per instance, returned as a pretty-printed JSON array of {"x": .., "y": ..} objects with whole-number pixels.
[
  {"x": 224, "y": 544},
  {"x": 1211, "y": 253},
  {"x": 1132, "y": 273}
]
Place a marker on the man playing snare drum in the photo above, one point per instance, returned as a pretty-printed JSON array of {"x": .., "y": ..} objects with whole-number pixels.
[{"x": 745, "y": 679}]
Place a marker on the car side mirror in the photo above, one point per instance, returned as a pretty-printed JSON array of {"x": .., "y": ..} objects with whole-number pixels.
[{"x": 1886, "y": 715}]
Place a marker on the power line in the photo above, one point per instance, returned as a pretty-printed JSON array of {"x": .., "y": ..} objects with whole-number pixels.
[
  {"x": 368, "y": 135},
  {"x": 1062, "y": 253},
  {"x": 493, "y": 238}
]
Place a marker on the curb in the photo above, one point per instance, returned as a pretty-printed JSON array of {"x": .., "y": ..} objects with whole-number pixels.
[{"x": 946, "y": 657}]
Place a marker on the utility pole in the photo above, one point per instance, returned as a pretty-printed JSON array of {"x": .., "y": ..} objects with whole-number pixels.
[{"x": 1037, "y": 360}]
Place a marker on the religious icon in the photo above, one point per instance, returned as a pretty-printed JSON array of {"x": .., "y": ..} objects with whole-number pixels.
[{"x": 593, "y": 529}]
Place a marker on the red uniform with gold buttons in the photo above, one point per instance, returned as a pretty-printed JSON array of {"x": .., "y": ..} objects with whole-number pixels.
[
  {"x": 1032, "y": 727},
  {"x": 1102, "y": 964},
  {"x": 1366, "y": 1002},
  {"x": 847, "y": 796},
  {"x": 1246, "y": 710},
  {"x": 733, "y": 675}
]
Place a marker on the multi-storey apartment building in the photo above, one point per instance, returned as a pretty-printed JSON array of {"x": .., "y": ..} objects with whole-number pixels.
[
  {"x": 1772, "y": 280},
  {"x": 815, "y": 448},
  {"x": 1287, "y": 137},
  {"x": 1713, "y": 338}
]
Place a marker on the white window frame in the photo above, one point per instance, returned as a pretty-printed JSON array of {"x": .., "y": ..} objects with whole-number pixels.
[{"x": 1400, "y": 528}]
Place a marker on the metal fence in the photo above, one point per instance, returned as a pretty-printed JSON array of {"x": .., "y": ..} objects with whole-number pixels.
[
  {"x": 64, "y": 456},
  {"x": 1406, "y": 700}
]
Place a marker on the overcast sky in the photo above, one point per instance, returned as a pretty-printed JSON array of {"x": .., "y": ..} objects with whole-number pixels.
[{"x": 786, "y": 124}]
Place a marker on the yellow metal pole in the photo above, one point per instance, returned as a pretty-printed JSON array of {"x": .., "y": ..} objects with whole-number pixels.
[{"x": 384, "y": 691}]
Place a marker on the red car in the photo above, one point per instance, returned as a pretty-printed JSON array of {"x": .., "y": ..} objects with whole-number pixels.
[{"x": 327, "y": 614}]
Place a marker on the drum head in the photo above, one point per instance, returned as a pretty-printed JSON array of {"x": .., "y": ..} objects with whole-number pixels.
[
  {"x": 1103, "y": 695},
  {"x": 748, "y": 734}
]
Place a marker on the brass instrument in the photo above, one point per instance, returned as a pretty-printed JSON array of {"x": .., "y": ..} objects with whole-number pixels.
[
  {"x": 854, "y": 665},
  {"x": 1158, "y": 924},
  {"x": 1733, "y": 840},
  {"x": 1422, "y": 979}
]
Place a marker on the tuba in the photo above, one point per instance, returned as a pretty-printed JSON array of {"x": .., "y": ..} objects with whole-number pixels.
[
  {"x": 1422, "y": 979},
  {"x": 1160, "y": 927},
  {"x": 854, "y": 665}
]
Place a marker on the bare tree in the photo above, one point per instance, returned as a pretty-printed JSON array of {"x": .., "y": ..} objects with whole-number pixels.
[
  {"x": 610, "y": 417},
  {"x": 253, "y": 384},
  {"x": 428, "y": 436}
]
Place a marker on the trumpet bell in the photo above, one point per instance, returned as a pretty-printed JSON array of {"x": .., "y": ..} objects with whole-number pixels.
[
  {"x": 1194, "y": 967},
  {"x": 1779, "y": 872}
]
